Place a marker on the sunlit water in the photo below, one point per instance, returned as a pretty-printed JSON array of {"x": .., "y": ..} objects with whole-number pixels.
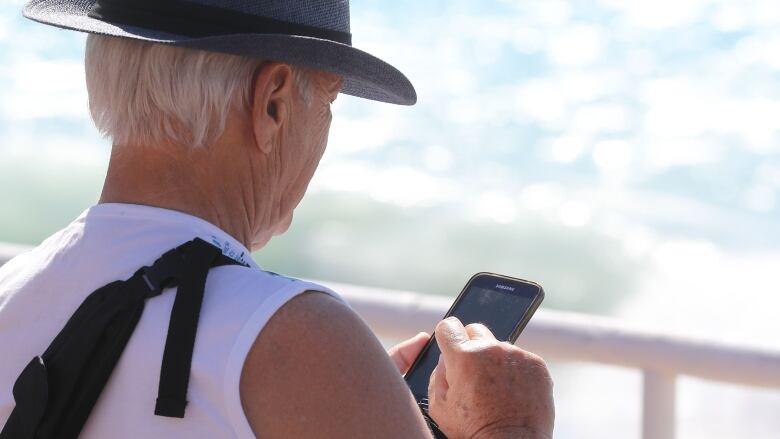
[{"x": 624, "y": 154}]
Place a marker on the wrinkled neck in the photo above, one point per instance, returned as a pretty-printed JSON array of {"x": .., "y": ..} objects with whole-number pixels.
[{"x": 189, "y": 180}]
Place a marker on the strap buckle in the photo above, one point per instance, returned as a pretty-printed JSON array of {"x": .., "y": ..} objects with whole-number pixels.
[
  {"x": 163, "y": 273},
  {"x": 151, "y": 282}
]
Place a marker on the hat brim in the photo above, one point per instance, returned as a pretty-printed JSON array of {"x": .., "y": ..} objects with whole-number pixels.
[{"x": 364, "y": 75}]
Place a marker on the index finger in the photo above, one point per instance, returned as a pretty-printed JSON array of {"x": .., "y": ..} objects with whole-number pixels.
[{"x": 450, "y": 335}]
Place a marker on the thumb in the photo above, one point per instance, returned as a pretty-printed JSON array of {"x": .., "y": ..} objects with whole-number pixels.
[{"x": 450, "y": 336}]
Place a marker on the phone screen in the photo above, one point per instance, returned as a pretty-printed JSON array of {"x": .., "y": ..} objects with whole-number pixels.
[{"x": 497, "y": 303}]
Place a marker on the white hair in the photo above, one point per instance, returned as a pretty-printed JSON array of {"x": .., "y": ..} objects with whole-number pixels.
[{"x": 146, "y": 93}]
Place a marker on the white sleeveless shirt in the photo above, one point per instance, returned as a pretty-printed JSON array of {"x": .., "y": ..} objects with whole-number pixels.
[{"x": 40, "y": 289}]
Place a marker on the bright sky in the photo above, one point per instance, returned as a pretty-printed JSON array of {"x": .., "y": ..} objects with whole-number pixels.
[{"x": 615, "y": 112}]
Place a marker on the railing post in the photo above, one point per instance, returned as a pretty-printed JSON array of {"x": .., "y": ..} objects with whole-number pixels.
[{"x": 658, "y": 405}]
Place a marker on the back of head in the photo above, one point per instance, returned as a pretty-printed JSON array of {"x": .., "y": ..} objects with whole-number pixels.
[{"x": 150, "y": 94}]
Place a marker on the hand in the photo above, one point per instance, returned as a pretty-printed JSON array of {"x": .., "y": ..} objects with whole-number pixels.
[
  {"x": 483, "y": 388},
  {"x": 403, "y": 354}
]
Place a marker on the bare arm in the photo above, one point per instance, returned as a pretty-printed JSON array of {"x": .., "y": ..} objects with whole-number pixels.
[{"x": 316, "y": 370}]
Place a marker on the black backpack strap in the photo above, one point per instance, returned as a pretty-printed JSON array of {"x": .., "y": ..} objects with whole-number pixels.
[
  {"x": 186, "y": 266},
  {"x": 56, "y": 391},
  {"x": 31, "y": 394},
  {"x": 175, "y": 370}
]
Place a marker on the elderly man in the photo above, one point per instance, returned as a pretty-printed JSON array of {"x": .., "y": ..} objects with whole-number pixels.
[{"x": 219, "y": 112}]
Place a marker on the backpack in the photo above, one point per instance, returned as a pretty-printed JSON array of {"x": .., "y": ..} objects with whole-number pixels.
[{"x": 56, "y": 391}]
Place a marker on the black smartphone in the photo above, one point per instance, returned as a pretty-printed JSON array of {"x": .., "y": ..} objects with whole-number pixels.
[{"x": 502, "y": 303}]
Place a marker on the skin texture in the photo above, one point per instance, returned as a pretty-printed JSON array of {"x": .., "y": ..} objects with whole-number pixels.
[
  {"x": 483, "y": 388},
  {"x": 316, "y": 369},
  {"x": 297, "y": 385},
  {"x": 251, "y": 179}
]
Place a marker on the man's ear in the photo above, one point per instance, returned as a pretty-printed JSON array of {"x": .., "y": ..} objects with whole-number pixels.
[{"x": 271, "y": 102}]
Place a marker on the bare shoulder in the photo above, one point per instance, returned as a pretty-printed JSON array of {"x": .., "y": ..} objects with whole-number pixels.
[{"x": 316, "y": 370}]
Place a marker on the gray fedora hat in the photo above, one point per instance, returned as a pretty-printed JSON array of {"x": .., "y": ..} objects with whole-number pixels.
[{"x": 312, "y": 33}]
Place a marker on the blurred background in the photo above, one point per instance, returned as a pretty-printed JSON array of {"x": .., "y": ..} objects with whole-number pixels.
[{"x": 624, "y": 154}]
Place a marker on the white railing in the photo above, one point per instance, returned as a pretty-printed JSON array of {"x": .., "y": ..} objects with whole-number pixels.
[{"x": 564, "y": 336}]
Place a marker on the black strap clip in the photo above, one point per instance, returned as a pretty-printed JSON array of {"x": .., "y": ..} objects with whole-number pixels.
[{"x": 165, "y": 272}]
